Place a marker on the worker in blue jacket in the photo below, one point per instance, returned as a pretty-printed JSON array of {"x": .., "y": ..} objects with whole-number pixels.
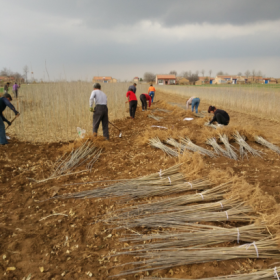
[{"x": 4, "y": 102}]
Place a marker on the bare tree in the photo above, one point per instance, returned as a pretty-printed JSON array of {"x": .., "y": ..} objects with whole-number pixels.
[
  {"x": 6, "y": 72},
  {"x": 259, "y": 73},
  {"x": 220, "y": 73},
  {"x": 193, "y": 78},
  {"x": 173, "y": 72},
  {"x": 239, "y": 74},
  {"x": 210, "y": 72},
  {"x": 149, "y": 77},
  {"x": 25, "y": 71},
  {"x": 247, "y": 74},
  {"x": 202, "y": 72}
]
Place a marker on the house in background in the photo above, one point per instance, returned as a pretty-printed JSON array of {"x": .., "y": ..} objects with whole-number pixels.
[
  {"x": 103, "y": 79},
  {"x": 166, "y": 79},
  {"x": 136, "y": 79}
]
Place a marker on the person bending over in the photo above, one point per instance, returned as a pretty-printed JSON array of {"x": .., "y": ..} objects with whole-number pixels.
[
  {"x": 220, "y": 116},
  {"x": 144, "y": 98},
  {"x": 151, "y": 92},
  {"x": 4, "y": 102},
  {"x": 195, "y": 103},
  {"x": 131, "y": 98},
  {"x": 100, "y": 112}
]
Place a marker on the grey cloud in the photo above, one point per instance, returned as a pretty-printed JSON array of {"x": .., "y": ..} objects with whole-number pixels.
[{"x": 108, "y": 13}]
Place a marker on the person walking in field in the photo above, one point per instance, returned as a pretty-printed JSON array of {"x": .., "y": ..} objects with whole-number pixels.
[
  {"x": 144, "y": 98},
  {"x": 132, "y": 99},
  {"x": 151, "y": 92},
  {"x": 4, "y": 102},
  {"x": 194, "y": 101},
  {"x": 220, "y": 116},
  {"x": 100, "y": 111},
  {"x": 132, "y": 88},
  {"x": 6, "y": 87},
  {"x": 15, "y": 90}
]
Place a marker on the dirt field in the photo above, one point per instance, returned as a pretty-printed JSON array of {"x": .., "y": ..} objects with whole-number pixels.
[{"x": 79, "y": 246}]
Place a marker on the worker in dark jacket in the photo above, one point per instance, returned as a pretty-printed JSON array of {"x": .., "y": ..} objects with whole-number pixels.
[
  {"x": 220, "y": 116},
  {"x": 4, "y": 102},
  {"x": 132, "y": 88},
  {"x": 6, "y": 87}
]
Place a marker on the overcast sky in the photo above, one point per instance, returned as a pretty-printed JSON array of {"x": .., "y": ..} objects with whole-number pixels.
[{"x": 125, "y": 38}]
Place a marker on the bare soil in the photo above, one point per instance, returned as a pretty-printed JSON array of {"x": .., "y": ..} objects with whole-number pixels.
[{"x": 79, "y": 245}]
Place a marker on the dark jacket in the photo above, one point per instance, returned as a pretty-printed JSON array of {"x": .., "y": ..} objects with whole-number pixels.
[
  {"x": 221, "y": 112},
  {"x": 132, "y": 88},
  {"x": 4, "y": 102}
]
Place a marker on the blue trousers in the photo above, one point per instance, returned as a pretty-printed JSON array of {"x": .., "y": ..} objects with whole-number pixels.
[
  {"x": 195, "y": 104},
  {"x": 152, "y": 94},
  {"x": 3, "y": 139}
]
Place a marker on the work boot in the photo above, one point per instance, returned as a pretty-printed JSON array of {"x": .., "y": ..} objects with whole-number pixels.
[{"x": 94, "y": 134}]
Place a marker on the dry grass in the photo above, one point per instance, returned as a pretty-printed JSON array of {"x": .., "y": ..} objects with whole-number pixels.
[
  {"x": 258, "y": 101},
  {"x": 52, "y": 112}
]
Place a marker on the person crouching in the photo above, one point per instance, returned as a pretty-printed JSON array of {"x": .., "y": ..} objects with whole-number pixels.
[
  {"x": 220, "y": 116},
  {"x": 144, "y": 98},
  {"x": 132, "y": 99}
]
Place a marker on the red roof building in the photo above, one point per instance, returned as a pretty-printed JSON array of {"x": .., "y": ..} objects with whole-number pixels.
[{"x": 166, "y": 79}]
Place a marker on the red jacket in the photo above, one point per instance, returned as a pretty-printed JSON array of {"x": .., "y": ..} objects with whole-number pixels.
[
  {"x": 131, "y": 95},
  {"x": 148, "y": 97}
]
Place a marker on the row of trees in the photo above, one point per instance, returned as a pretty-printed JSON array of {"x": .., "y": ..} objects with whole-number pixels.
[{"x": 5, "y": 72}]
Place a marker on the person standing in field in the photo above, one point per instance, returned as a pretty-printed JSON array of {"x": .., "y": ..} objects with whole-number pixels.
[
  {"x": 6, "y": 87},
  {"x": 132, "y": 99},
  {"x": 194, "y": 101},
  {"x": 152, "y": 91},
  {"x": 132, "y": 88},
  {"x": 100, "y": 111},
  {"x": 15, "y": 90},
  {"x": 4, "y": 102},
  {"x": 144, "y": 98},
  {"x": 220, "y": 116}
]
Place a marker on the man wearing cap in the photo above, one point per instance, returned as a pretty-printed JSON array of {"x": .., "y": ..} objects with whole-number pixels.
[
  {"x": 100, "y": 111},
  {"x": 4, "y": 102},
  {"x": 132, "y": 88}
]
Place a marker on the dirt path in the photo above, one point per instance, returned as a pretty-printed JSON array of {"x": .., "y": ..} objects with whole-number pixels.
[{"x": 77, "y": 246}]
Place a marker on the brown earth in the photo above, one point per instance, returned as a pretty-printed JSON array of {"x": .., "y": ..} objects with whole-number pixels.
[{"x": 68, "y": 247}]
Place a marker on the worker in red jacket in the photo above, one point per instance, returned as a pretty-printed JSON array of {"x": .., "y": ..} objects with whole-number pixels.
[
  {"x": 131, "y": 98},
  {"x": 144, "y": 98}
]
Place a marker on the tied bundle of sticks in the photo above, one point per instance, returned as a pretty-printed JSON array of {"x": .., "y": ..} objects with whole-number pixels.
[
  {"x": 214, "y": 194},
  {"x": 181, "y": 147},
  {"x": 162, "y": 110},
  {"x": 210, "y": 125},
  {"x": 148, "y": 191},
  {"x": 218, "y": 149},
  {"x": 244, "y": 147},
  {"x": 239, "y": 213},
  {"x": 156, "y": 143},
  {"x": 155, "y": 117},
  {"x": 188, "y": 143},
  {"x": 266, "y": 248},
  {"x": 267, "y": 144},
  {"x": 265, "y": 274},
  {"x": 231, "y": 153},
  {"x": 137, "y": 188},
  {"x": 66, "y": 164},
  {"x": 196, "y": 237}
]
